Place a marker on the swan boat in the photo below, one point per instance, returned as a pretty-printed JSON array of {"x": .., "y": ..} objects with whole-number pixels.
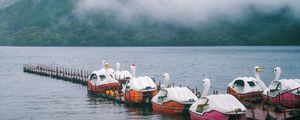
[
  {"x": 216, "y": 107},
  {"x": 121, "y": 76},
  {"x": 173, "y": 100},
  {"x": 283, "y": 91},
  {"x": 139, "y": 89},
  {"x": 246, "y": 88},
  {"x": 100, "y": 81}
]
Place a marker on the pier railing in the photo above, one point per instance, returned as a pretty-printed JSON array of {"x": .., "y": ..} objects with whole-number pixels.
[{"x": 68, "y": 74}]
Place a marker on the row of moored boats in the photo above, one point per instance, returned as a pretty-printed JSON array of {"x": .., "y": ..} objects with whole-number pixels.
[{"x": 177, "y": 100}]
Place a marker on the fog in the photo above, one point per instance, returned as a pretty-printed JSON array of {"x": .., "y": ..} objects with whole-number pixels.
[
  {"x": 6, "y": 3},
  {"x": 185, "y": 12}
]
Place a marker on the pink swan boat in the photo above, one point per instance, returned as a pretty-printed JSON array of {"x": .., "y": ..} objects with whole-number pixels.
[
  {"x": 285, "y": 91},
  {"x": 216, "y": 107}
]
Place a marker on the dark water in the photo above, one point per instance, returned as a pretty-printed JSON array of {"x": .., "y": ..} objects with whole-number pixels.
[{"x": 26, "y": 96}]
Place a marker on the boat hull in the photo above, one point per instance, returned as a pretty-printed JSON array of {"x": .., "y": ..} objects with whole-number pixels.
[
  {"x": 171, "y": 107},
  {"x": 286, "y": 99},
  {"x": 133, "y": 96},
  {"x": 215, "y": 115},
  {"x": 102, "y": 88},
  {"x": 245, "y": 96},
  {"x": 212, "y": 115}
]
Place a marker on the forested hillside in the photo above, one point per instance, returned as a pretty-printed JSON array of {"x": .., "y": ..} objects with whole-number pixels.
[{"x": 55, "y": 23}]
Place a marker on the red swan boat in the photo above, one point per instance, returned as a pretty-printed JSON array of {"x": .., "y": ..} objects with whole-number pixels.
[
  {"x": 285, "y": 91},
  {"x": 100, "y": 81}
]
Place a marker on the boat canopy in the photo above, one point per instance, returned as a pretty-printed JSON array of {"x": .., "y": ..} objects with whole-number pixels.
[
  {"x": 102, "y": 76},
  {"x": 279, "y": 86},
  {"x": 142, "y": 84},
  {"x": 179, "y": 94},
  {"x": 224, "y": 103},
  {"x": 245, "y": 85},
  {"x": 122, "y": 75}
]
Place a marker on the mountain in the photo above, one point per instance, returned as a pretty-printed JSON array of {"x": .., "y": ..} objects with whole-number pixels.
[{"x": 54, "y": 23}]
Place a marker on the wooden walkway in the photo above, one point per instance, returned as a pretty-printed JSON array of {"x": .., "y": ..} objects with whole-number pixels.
[{"x": 67, "y": 74}]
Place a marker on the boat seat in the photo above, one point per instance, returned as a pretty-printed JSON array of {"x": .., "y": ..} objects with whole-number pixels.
[
  {"x": 239, "y": 86},
  {"x": 164, "y": 94},
  {"x": 202, "y": 107}
]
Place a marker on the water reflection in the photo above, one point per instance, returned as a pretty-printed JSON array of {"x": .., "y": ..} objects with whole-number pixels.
[{"x": 134, "y": 111}]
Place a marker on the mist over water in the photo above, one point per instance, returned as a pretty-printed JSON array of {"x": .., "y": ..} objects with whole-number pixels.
[{"x": 184, "y": 12}]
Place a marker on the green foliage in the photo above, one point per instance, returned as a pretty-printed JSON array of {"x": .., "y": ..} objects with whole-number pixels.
[{"x": 53, "y": 22}]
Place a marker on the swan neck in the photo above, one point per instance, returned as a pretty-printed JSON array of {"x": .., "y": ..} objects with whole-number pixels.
[
  {"x": 206, "y": 89},
  {"x": 277, "y": 75},
  {"x": 259, "y": 81},
  {"x": 107, "y": 72},
  {"x": 118, "y": 67},
  {"x": 166, "y": 82},
  {"x": 257, "y": 77},
  {"x": 133, "y": 70}
]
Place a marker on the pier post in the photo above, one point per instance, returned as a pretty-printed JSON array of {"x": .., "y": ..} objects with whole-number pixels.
[
  {"x": 284, "y": 114},
  {"x": 56, "y": 70},
  {"x": 252, "y": 110}
]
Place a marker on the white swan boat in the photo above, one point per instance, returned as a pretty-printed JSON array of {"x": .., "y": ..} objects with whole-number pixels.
[{"x": 246, "y": 88}]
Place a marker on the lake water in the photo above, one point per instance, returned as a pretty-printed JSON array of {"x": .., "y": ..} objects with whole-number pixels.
[{"x": 27, "y": 96}]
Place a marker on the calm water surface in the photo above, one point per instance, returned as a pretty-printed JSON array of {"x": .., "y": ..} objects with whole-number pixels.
[{"x": 26, "y": 96}]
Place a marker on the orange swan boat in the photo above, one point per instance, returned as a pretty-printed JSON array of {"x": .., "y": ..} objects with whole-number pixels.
[{"x": 139, "y": 89}]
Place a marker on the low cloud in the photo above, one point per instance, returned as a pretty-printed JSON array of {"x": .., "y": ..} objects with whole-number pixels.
[
  {"x": 6, "y": 3},
  {"x": 184, "y": 12}
]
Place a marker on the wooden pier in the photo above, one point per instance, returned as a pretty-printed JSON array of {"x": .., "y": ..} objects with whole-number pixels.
[{"x": 64, "y": 73}]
